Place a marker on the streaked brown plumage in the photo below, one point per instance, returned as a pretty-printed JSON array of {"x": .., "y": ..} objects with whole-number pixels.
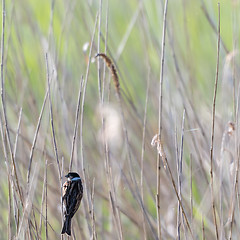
[
  {"x": 64, "y": 188},
  {"x": 71, "y": 197}
]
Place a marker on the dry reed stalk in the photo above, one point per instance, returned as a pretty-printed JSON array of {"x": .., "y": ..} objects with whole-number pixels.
[
  {"x": 25, "y": 222},
  {"x": 15, "y": 186},
  {"x": 17, "y": 133},
  {"x": 76, "y": 123},
  {"x": 110, "y": 180},
  {"x": 42, "y": 199},
  {"x": 36, "y": 233},
  {"x": 142, "y": 153},
  {"x": 111, "y": 186},
  {"x": 179, "y": 170},
  {"x": 160, "y": 120},
  {"x": 3, "y": 103},
  {"x": 9, "y": 231},
  {"x": 37, "y": 210},
  {"x": 15, "y": 205},
  {"x": 46, "y": 205},
  {"x": 115, "y": 78},
  {"x": 81, "y": 127},
  {"x": 213, "y": 26},
  {"x": 62, "y": 175},
  {"x": 105, "y": 51},
  {"x": 117, "y": 87},
  {"x": 179, "y": 200},
  {"x": 178, "y": 223},
  {"x": 186, "y": 101},
  {"x": 229, "y": 129},
  {"x": 98, "y": 49},
  {"x": 119, "y": 97},
  {"x": 161, "y": 152},
  {"x": 235, "y": 192},
  {"x": 203, "y": 230},
  {"x": 191, "y": 191},
  {"x": 136, "y": 195},
  {"x": 94, "y": 233},
  {"x": 8, "y": 172},
  {"x": 51, "y": 118},
  {"x": 114, "y": 205},
  {"x": 212, "y": 131},
  {"x": 36, "y": 135}
]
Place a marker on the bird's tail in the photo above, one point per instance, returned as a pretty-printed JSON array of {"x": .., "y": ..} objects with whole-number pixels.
[{"x": 67, "y": 226}]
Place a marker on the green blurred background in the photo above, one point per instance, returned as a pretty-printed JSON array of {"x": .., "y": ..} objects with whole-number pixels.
[{"x": 130, "y": 32}]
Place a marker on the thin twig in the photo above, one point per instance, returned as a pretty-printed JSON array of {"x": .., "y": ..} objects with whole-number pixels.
[
  {"x": 35, "y": 225},
  {"x": 213, "y": 124},
  {"x": 203, "y": 230},
  {"x": 136, "y": 195},
  {"x": 17, "y": 134},
  {"x": 179, "y": 166},
  {"x": 51, "y": 118},
  {"x": 46, "y": 205},
  {"x": 76, "y": 123},
  {"x": 115, "y": 78},
  {"x": 15, "y": 207},
  {"x": 81, "y": 123},
  {"x": 235, "y": 187},
  {"x": 98, "y": 49},
  {"x": 42, "y": 201},
  {"x": 110, "y": 180},
  {"x": 94, "y": 233},
  {"x": 191, "y": 192},
  {"x": 105, "y": 51},
  {"x": 9, "y": 209},
  {"x": 179, "y": 200},
  {"x": 160, "y": 118},
  {"x": 26, "y": 222},
  {"x": 35, "y": 208},
  {"x": 62, "y": 194},
  {"x": 214, "y": 27},
  {"x": 143, "y": 150},
  {"x": 186, "y": 101},
  {"x": 162, "y": 71},
  {"x": 36, "y": 135}
]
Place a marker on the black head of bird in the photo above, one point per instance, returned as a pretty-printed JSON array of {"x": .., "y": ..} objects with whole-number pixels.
[{"x": 73, "y": 176}]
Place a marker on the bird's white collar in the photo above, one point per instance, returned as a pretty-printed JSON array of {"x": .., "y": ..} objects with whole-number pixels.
[{"x": 74, "y": 179}]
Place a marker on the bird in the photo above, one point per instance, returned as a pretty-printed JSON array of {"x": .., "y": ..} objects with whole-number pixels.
[{"x": 72, "y": 193}]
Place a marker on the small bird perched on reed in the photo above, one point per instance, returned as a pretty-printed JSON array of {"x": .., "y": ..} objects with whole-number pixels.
[{"x": 71, "y": 197}]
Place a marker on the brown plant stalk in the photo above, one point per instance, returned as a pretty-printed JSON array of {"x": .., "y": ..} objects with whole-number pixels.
[{"x": 213, "y": 124}]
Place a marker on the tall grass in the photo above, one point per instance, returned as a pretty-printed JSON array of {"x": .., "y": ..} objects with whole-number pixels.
[{"x": 63, "y": 108}]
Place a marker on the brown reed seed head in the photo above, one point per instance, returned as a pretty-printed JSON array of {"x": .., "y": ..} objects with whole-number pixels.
[{"x": 112, "y": 68}]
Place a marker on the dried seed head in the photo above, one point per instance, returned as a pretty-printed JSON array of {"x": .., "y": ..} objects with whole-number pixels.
[
  {"x": 112, "y": 68},
  {"x": 156, "y": 141}
]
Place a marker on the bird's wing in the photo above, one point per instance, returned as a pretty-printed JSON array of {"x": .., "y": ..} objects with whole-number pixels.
[{"x": 73, "y": 198}]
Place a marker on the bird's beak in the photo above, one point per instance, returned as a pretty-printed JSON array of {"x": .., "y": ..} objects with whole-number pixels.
[{"x": 66, "y": 176}]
